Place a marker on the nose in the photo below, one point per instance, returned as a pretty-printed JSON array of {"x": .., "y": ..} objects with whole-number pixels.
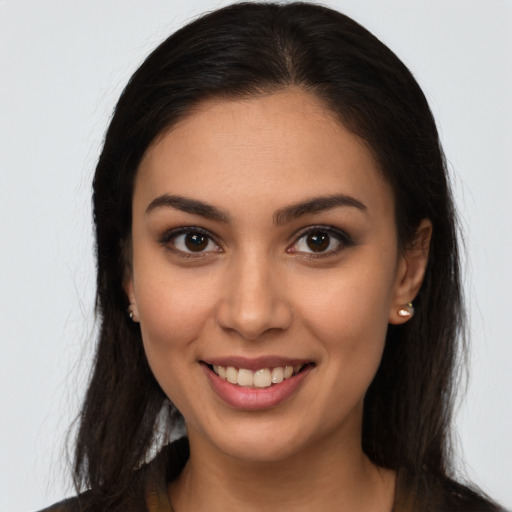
[{"x": 254, "y": 300}]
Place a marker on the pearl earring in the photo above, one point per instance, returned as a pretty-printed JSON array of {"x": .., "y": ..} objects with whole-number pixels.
[{"x": 406, "y": 311}]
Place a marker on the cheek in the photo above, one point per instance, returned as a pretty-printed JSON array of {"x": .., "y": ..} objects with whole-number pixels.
[
  {"x": 362, "y": 295},
  {"x": 173, "y": 314},
  {"x": 350, "y": 323},
  {"x": 173, "y": 311},
  {"x": 348, "y": 311}
]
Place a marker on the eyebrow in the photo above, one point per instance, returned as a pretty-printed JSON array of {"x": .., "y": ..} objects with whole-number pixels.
[
  {"x": 189, "y": 206},
  {"x": 282, "y": 216},
  {"x": 316, "y": 205}
]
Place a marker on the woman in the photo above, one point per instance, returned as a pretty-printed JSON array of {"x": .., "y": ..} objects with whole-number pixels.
[{"x": 270, "y": 202}]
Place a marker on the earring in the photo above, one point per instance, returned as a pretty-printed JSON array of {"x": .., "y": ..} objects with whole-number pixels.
[
  {"x": 130, "y": 313},
  {"x": 406, "y": 311}
]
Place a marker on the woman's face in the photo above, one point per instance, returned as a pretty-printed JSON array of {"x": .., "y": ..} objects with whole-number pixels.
[{"x": 264, "y": 244}]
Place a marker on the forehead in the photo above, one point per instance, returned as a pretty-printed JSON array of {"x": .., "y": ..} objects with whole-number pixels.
[{"x": 273, "y": 148}]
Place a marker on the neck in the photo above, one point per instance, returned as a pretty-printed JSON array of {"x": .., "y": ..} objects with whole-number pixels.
[{"x": 329, "y": 475}]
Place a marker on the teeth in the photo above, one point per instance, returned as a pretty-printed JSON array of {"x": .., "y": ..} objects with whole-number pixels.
[
  {"x": 262, "y": 378},
  {"x": 231, "y": 374},
  {"x": 288, "y": 372},
  {"x": 245, "y": 378},
  {"x": 277, "y": 375}
]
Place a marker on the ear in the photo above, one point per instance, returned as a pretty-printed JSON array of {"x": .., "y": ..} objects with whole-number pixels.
[
  {"x": 410, "y": 272},
  {"x": 133, "y": 311},
  {"x": 128, "y": 282}
]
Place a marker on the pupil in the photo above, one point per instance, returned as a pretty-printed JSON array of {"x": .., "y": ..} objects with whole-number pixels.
[
  {"x": 318, "y": 241},
  {"x": 196, "y": 242}
]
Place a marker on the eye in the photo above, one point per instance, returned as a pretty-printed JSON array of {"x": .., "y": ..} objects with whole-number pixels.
[
  {"x": 320, "y": 241},
  {"x": 189, "y": 241}
]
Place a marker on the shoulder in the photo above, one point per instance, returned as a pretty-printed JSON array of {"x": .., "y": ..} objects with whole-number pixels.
[
  {"x": 425, "y": 492},
  {"x": 458, "y": 497},
  {"x": 147, "y": 492},
  {"x": 85, "y": 503},
  {"x": 76, "y": 504}
]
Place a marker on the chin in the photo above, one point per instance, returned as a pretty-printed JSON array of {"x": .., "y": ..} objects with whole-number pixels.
[
  {"x": 262, "y": 449},
  {"x": 264, "y": 439}
]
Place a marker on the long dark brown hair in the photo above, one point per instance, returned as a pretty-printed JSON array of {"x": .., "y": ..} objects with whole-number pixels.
[{"x": 245, "y": 50}]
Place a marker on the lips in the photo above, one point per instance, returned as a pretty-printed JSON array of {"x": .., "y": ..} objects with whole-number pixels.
[{"x": 253, "y": 384}]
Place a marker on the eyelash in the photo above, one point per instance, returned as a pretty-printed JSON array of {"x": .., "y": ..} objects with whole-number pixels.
[
  {"x": 168, "y": 236},
  {"x": 343, "y": 239}
]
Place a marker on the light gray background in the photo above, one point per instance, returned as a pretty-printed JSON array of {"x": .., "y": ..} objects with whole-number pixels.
[{"x": 62, "y": 67}]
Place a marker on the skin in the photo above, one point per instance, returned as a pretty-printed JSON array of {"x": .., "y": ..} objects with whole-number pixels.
[{"x": 258, "y": 289}]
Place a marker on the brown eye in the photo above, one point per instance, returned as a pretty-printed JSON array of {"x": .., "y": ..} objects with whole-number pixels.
[
  {"x": 196, "y": 242},
  {"x": 190, "y": 241},
  {"x": 318, "y": 241},
  {"x": 321, "y": 241}
]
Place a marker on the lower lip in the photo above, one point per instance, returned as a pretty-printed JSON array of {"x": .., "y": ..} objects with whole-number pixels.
[{"x": 253, "y": 399}]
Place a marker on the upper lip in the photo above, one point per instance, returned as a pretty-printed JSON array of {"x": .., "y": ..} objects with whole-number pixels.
[{"x": 256, "y": 363}]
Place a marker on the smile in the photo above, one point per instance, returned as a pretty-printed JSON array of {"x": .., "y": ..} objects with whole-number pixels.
[
  {"x": 256, "y": 384},
  {"x": 262, "y": 378}
]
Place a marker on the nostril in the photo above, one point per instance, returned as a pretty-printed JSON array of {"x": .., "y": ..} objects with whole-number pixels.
[{"x": 254, "y": 320}]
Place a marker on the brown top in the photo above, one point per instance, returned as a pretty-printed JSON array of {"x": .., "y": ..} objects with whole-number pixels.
[{"x": 420, "y": 494}]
